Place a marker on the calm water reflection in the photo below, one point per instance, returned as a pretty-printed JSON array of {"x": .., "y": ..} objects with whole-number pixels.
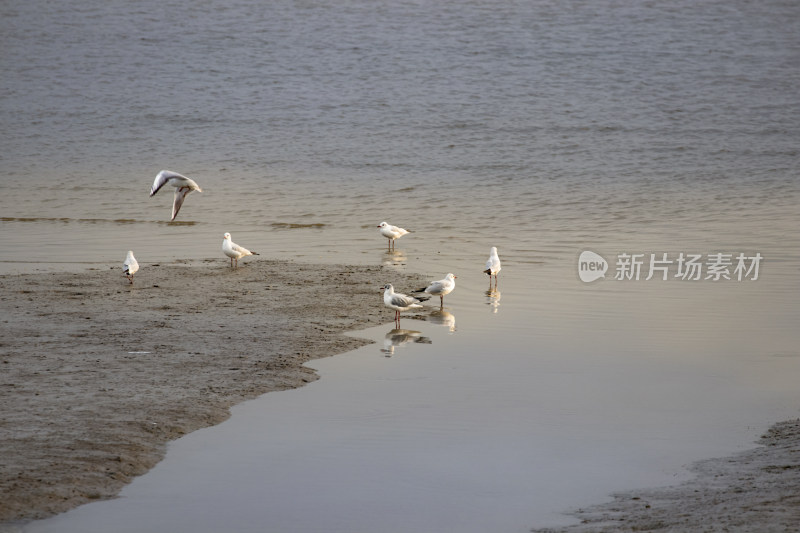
[{"x": 400, "y": 337}]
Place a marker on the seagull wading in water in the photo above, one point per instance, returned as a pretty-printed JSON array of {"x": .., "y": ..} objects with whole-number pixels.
[
  {"x": 233, "y": 250},
  {"x": 493, "y": 265},
  {"x": 399, "y": 302},
  {"x": 391, "y": 232},
  {"x": 441, "y": 287},
  {"x": 182, "y": 184},
  {"x": 130, "y": 266}
]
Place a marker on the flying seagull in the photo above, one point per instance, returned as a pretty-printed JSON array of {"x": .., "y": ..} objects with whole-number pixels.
[{"x": 182, "y": 184}]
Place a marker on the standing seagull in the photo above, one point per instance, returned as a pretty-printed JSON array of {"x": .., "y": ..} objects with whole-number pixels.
[
  {"x": 130, "y": 266},
  {"x": 391, "y": 233},
  {"x": 399, "y": 302},
  {"x": 233, "y": 250},
  {"x": 493, "y": 265},
  {"x": 182, "y": 184},
  {"x": 440, "y": 288}
]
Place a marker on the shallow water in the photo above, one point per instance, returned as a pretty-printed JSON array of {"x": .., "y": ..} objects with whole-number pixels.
[
  {"x": 498, "y": 413},
  {"x": 542, "y": 129}
]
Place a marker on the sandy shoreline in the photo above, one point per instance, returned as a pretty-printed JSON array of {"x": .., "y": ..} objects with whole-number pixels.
[
  {"x": 754, "y": 491},
  {"x": 98, "y": 376}
]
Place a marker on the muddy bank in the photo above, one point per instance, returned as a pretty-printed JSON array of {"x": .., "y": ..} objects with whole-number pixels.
[
  {"x": 753, "y": 491},
  {"x": 97, "y": 376}
]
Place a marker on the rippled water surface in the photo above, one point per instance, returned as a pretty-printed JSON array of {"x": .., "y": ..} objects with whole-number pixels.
[{"x": 542, "y": 128}]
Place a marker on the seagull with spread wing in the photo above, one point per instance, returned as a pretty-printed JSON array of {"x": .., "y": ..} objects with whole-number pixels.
[{"x": 182, "y": 184}]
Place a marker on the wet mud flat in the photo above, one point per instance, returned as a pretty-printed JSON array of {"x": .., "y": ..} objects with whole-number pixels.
[
  {"x": 754, "y": 491},
  {"x": 97, "y": 375}
]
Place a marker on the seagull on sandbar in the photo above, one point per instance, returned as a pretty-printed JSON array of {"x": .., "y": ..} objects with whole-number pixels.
[
  {"x": 399, "y": 302},
  {"x": 182, "y": 184},
  {"x": 441, "y": 287},
  {"x": 391, "y": 232},
  {"x": 233, "y": 250},
  {"x": 492, "y": 265},
  {"x": 130, "y": 266}
]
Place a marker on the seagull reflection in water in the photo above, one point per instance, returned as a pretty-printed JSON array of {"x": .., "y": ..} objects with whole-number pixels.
[
  {"x": 493, "y": 299},
  {"x": 443, "y": 318},
  {"x": 394, "y": 258},
  {"x": 401, "y": 337}
]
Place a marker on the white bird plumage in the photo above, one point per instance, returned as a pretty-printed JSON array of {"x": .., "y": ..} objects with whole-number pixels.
[
  {"x": 182, "y": 184},
  {"x": 441, "y": 287},
  {"x": 493, "y": 264},
  {"x": 130, "y": 266},
  {"x": 233, "y": 250},
  {"x": 391, "y": 232},
  {"x": 398, "y": 301}
]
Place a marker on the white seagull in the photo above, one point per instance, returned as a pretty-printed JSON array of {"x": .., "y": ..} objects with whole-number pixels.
[
  {"x": 399, "y": 302},
  {"x": 391, "y": 232},
  {"x": 130, "y": 266},
  {"x": 182, "y": 184},
  {"x": 493, "y": 264},
  {"x": 441, "y": 287},
  {"x": 233, "y": 250}
]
